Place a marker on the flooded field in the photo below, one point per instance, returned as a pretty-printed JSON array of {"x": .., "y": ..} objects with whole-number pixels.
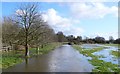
[
  {"x": 62, "y": 59},
  {"x": 105, "y": 54},
  {"x": 103, "y": 58},
  {"x": 90, "y": 46},
  {"x": 90, "y": 58}
]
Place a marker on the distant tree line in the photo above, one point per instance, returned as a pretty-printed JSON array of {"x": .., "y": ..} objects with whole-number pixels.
[{"x": 78, "y": 40}]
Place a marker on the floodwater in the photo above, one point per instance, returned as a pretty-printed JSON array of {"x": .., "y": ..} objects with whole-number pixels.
[
  {"x": 105, "y": 53},
  {"x": 107, "y": 56},
  {"x": 90, "y": 46},
  {"x": 62, "y": 59}
]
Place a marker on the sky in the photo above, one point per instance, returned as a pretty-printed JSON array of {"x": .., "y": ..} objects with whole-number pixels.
[{"x": 86, "y": 19}]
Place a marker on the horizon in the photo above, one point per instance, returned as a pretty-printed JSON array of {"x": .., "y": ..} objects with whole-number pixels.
[{"x": 78, "y": 19}]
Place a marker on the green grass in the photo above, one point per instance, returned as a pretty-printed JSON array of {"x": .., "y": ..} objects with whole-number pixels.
[
  {"x": 100, "y": 65},
  {"x": 12, "y": 58},
  {"x": 87, "y": 52},
  {"x": 112, "y": 45},
  {"x": 0, "y": 60},
  {"x": 116, "y": 53},
  {"x": 10, "y": 61},
  {"x": 47, "y": 48}
]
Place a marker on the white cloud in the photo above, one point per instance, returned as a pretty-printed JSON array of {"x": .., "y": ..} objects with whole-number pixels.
[
  {"x": 76, "y": 31},
  {"x": 59, "y": 23},
  {"x": 20, "y": 12},
  {"x": 92, "y": 10}
]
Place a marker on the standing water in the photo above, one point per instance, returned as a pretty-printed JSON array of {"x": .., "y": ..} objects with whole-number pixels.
[
  {"x": 105, "y": 53},
  {"x": 107, "y": 56},
  {"x": 62, "y": 59}
]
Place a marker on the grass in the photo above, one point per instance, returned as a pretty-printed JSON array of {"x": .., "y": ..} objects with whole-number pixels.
[
  {"x": 99, "y": 65},
  {"x": 102, "y": 66},
  {"x": 112, "y": 45},
  {"x": 10, "y": 61},
  {"x": 45, "y": 49},
  {"x": 87, "y": 52},
  {"x": 0, "y": 60},
  {"x": 12, "y": 58},
  {"x": 116, "y": 53}
]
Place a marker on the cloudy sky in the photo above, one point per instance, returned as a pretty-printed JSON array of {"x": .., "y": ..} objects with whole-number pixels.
[{"x": 76, "y": 18}]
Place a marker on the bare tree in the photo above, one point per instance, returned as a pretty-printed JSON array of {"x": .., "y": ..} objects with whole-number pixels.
[
  {"x": 30, "y": 20},
  {"x": 9, "y": 31},
  {"x": 27, "y": 28}
]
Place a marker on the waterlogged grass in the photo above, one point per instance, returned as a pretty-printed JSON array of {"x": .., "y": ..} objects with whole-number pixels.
[
  {"x": 87, "y": 52},
  {"x": 99, "y": 65},
  {"x": 102, "y": 66},
  {"x": 12, "y": 58},
  {"x": 116, "y": 53}
]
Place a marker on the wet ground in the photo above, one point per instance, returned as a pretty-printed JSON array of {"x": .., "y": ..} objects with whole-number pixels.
[
  {"x": 90, "y": 46},
  {"x": 107, "y": 56},
  {"x": 105, "y": 53},
  {"x": 62, "y": 59}
]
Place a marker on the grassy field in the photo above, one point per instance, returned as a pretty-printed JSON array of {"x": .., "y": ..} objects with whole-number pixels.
[
  {"x": 116, "y": 53},
  {"x": 14, "y": 57},
  {"x": 45, "y": 49},
  {"x": 100, "y": 65},
  {"x": 112, "y": 45}
]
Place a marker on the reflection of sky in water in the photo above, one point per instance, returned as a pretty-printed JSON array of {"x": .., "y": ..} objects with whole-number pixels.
[
  {"x": 107, "y": 55},
  {"x": 90, "y": 46},
  {"x": 67, "y": 59}
]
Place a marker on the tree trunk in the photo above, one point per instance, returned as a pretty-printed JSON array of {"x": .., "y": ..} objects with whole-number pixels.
[
  {"x": 26, "y": 45},
  {"x": 26, "y": 51}
]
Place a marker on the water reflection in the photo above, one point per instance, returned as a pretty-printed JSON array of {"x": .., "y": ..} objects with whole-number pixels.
[
  {"x": 26, "y": 60},
  {"x": 105, "y": 53},
  {"x": 62, "y": 59},
  {"x": 90, "y": 46},
  {"x": 107, "y": 56}
]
